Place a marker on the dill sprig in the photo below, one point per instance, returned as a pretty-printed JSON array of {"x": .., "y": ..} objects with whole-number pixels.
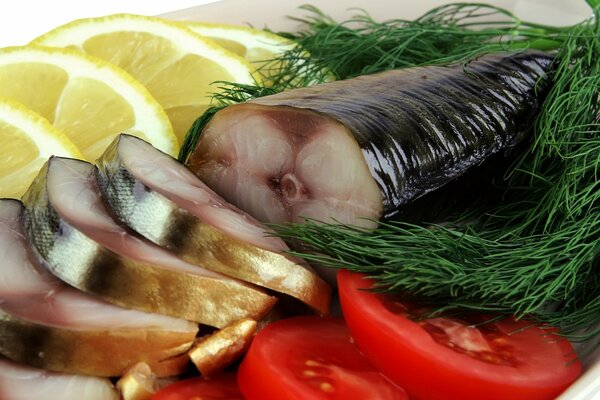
[
  {"x": 445, "y": 35},
  {"x": 536, "y": 254}
]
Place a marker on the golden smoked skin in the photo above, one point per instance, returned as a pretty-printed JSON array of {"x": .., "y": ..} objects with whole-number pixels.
[
  {"x": 138, "y": 383},
  {"x": 99, "y": 353},
  {"x": 180, "y": 224},
  {"x": 212, "y": 249},
  {"x": 47, "y": 324},
  {"x": 89, "y": 266},
  {"x": 213, "y": 353}
]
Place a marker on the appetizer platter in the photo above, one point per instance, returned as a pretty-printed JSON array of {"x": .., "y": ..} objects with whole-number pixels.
[{"x": 304, "y": 201}]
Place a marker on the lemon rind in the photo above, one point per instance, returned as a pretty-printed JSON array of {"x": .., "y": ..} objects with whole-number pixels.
[
  {"x": 186, "y": 40},
  {"x": 249, "y": 37},
  {"x": 39, "y": 129}
]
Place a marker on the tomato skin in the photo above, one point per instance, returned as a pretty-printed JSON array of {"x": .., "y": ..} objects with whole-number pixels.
[
  {"x": 310, "y": 358},
  {"x": 405, "y": 351},
  {"x": 222, "y": 387}
]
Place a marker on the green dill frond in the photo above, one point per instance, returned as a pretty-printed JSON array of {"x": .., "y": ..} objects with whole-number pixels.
[
  {"x": 448, "y": 34},
  {"x": 535, "y": 254}
]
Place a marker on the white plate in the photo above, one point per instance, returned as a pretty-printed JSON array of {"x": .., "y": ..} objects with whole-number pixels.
[{"x": 273, "y": 14}]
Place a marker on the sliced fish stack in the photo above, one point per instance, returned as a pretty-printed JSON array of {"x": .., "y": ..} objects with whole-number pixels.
[
  {"x": 359, "y": 150},
  {"x": 84, "y": 294},
  {"x": 75, "y": 235},
  {"x": 162, "y": 200},
  {"x": 48, "y": 324}
]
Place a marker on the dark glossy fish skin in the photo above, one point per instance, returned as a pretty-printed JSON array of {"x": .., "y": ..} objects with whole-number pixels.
[{"x": 420, "y": 128}]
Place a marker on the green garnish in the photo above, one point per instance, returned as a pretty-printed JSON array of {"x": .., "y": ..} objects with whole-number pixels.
[
  {"x": 445, "y": 35},
  {"x": 537, "y": 253}
]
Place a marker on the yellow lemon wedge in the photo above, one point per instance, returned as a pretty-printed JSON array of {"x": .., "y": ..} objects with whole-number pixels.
[
  {"x": 27, "y": 140},
  {"x": 89, "y": 100},
  {"x": 177, "y": 65},
  {"x": 257, "y": 46}
]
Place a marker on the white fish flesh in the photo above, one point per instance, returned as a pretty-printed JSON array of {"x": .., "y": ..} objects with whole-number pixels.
[
  {"x": 162, "y": 200},
  {"x": 19, "y": 382}
]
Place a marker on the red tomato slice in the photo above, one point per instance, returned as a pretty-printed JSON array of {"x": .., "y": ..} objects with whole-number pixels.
[
  {"x": 446, "y": 358},
  {"x": 310, "y": 358},
  {"x": 223, "y": 387}
]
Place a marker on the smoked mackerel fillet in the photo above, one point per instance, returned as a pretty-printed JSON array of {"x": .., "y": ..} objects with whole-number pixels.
[
  {"x": 159, "y": 198},
  {"x": 80, "y": 242},
  {"x": 364, "y": 147},
  {"x": 48, "y": 324}
]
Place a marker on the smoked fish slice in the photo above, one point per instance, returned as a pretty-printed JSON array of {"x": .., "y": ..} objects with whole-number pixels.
[{"x": 358, "y": 150}]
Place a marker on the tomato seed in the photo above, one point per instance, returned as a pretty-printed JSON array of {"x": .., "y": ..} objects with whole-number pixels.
[{"x": 326, "y": 387}]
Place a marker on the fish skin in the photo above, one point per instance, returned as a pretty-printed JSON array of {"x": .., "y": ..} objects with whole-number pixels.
[
  {"x": 212, "y": 353},
  {"x": 198, "y": 242},
  {"x": 499, "y": 89},
  {"x": 82, "y": 262},
  {"x": 420, "y": 128},
  {"x": 58, "y": 342},
  {"x": 64, "y": 350}
]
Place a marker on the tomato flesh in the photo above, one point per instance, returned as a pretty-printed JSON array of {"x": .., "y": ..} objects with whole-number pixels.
[
  {"x": 455, "y": 358},
  {"x": 310, "y": 358},
  {"x": 223, "y": 387}
]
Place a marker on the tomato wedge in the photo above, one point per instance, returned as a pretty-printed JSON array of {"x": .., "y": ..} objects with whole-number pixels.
[
  {"x": 450, "y": 358},
  {"x": 310, "y": 358},
  {"x": 223, "y": 387}
]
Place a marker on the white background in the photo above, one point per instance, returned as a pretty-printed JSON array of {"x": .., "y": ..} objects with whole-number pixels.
[{"x": 23, "y": 20}]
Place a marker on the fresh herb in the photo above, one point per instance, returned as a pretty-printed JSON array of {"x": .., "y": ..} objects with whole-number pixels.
[
  {"x": 536, "y": 254},
  {"x": 445, "y": 35}
]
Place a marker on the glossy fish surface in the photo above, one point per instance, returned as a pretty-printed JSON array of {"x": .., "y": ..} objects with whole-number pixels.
[
  {"x": 81, "y": 243},
  {"x": 162, "y": 200},
  {"x": 49, "y": 324},
  {"x": 358, "y": 150}
]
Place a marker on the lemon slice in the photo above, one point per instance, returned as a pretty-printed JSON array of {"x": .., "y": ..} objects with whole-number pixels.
[
  {"x": 88, "y": 99},
  {"x": 27, "y": 140},
  {"x": 261, "y": 48},
  {"x": 257, "y": 46},
  {"x": 177, "y": 65}
]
